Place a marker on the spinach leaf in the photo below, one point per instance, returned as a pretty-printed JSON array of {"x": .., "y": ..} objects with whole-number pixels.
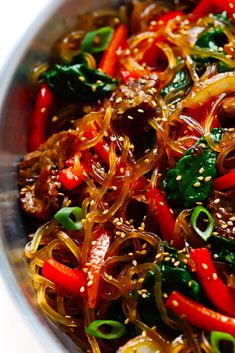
[
  {"x": 223, "y": 17},
  {"x": 225, "y": 249},
  {"x": 180, "y": 81},
  {"x": 77, "y": 80},
  {"x": 198, "y": 161},
  {"x": 213, "y": 38}
]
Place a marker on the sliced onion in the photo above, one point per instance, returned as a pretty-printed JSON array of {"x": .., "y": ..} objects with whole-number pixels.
[
  {"x": 142, "y": 344},
  {"x": 213, "y": 87}
]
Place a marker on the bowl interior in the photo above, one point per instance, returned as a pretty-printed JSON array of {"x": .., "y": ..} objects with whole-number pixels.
[{"x": 15, "y": 108}]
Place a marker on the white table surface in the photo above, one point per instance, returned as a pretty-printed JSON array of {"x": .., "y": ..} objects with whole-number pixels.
[{"x": 15, "y": 333}]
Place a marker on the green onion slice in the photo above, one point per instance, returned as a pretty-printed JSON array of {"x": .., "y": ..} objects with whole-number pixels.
[
  {"x": 204, "y": 234},
  {"x": 115, "y": 329},
  {"x": 97, "y": 41},
  {"x": 63, "y": 216},
  {"x": 217, "y": 336}
]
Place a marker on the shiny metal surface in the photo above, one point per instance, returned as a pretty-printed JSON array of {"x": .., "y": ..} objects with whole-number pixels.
[{"x": 15, "y": 107}]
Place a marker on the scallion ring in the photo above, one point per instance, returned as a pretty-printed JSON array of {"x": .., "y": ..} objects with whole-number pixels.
[
  {"x": 204, "y": 234},
  {"x": 63, "y": 216},
  {"x": 115, "y": 329},
  {"x": 97, "y": 41},
  {"x": 217, "y": 336}
]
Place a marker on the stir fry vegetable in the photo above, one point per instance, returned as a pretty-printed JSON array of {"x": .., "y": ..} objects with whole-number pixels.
[{"x": 129, "y": 179}]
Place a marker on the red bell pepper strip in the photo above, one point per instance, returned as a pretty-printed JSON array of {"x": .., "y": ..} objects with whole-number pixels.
[
  {"x": 71, "y": 177},
  {"x": 217, "y": 292},
  {"x": 162, "y": 213},
  {"x": 39, "y": 118},
  {"x": 205, "y": 7},
  {"x": 110, "y": 58},
  {"x": 225, "y": 182},
  {"x": 97, "y": 255},
  {"x": 199, "y": 315},
  {"x": 72, "y": 280},
  {"x": 101, "y": 148},
  {"x": 163, "y": 19}
]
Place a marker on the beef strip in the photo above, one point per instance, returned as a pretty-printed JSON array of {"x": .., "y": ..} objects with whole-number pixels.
[
  {"x": 222, "y": 207},
  {"x": 134, "y": 104},
  {"x": 38, "y": 175}
]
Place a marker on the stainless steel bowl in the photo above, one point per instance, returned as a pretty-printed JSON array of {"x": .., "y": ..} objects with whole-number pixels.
[{"x": 15, "y": 107}]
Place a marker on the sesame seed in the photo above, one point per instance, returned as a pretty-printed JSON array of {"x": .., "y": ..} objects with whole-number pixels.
[
  {"x": 130, "y": 117},
  {"x": 119, "y": 223},
  {"x": 214, "y": 276},
  {"x": 167, "y": 258},
  {"x": 126, "y": 322},
  {"x": 199, "y": 203},
  {"x": 224, "y": 226},
  {"x": 134, "y": 262},
  {"x": 89, "y": 283},
  {"x": 119, "y": 99},
  {"x": 82, "y": 289},
  {"x": 201, "y": 170},
  {"x": 83, "y": 138},
  {"x": 154, "y": 103},
  {"x": 123, "y": 235},
  {"x": 110, "y": 277},
  {"x": 190, "y": 283},
  {"x": 165, "y": 295},
  {"x": 93, "y": 88},
  {"x": 144, "y": 295},
  {"x": 175, "y": 303},
  {"x": 176, "y": 264},
  {"x": 43, "y": 110},
  {"x": 217, "y": 201},
  {"x": 230, "y": 223},
  {"x": 114, "y": 187},
  {"x": 161, "y": 203},
  {"x": 204, "y": 266},
  {"x": 81, "y": 78},
  {"x": 153, "y": 23},
  {"x": 200, "y": 177},
  {"x": 208, "y": 178},
  {"x": 158, "y": 256},
  {"x": 179, "y": 177},
  {"x": 218, "y": 215},
  {"x": 121, "y": 170},
  {"x": 105, "y": 212},
  {"x": 93, "y": 242},
  {"x": 232, "y": 218},
  {"x": 197, "y": 184},
  {"x": 54, "y": 119},
  {"x": 230, "y": 4},
  {"x": 140, "y": 110},
  {"x": 144, "y": 246},
  {"x": 144, "y": 334},
  {"x": 146, "y": 160},
  {"x": 216, "y": 256}
]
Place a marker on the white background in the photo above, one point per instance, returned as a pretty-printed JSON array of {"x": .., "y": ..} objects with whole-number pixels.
[{"x": 15, "y": 333}]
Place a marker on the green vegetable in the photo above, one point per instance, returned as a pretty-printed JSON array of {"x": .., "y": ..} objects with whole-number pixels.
[
  {"x": 180, "y": 81},
  {"x": 97, "y": 41},
  {"x": 78, "y": 81},
  {"x": 63, "y": 216},
  {"x": 223, "y": 17},
  {"x": 115, "y": 329},
  {"x": 213, "y": 38},
  {"x": 198, "y": 161},
  {"x": 204, "y": 234},
  {"x": 178, "y": 279},
  {"x": 225, "y": 249},
  {"x": 217, "y": 336}
]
